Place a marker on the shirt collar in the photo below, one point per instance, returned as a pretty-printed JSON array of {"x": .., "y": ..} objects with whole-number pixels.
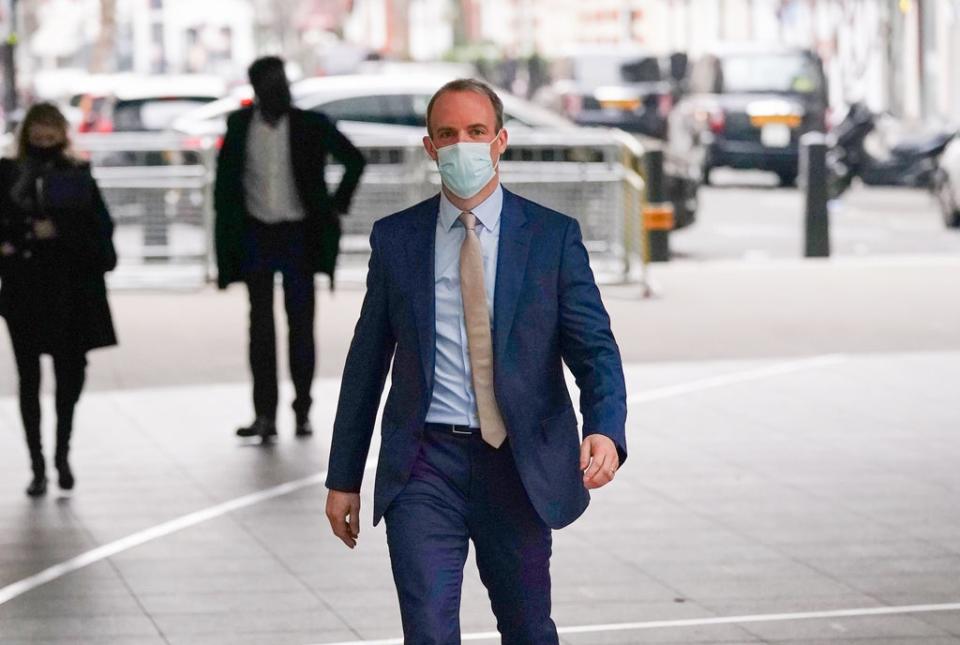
[
  {"x": 487, "y": 211},
  {"x": 258, "y": 118}
]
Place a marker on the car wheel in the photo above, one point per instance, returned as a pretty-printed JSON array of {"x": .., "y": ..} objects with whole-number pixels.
[
  {"x": 787, "y": 179},
  {"x": 948, "y": 207}
]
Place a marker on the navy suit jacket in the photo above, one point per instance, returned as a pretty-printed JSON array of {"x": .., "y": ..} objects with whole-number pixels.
[{"x": 547, "y": 310}]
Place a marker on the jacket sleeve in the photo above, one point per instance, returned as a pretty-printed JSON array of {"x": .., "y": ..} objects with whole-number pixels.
[
  {"x": 103, "y": 226},
  {"x": 227, "y": 204},
  {"x": 6, "y": 234},
  {"x": 347, "y": 154},
  {"x": 364, "y": 375},
  {"x": 588, "y": 347}
]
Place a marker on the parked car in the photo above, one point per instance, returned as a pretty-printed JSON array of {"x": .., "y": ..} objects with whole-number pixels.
[
  {"x": 402, "y": 102},
  {"x": 946, "y": 184},
  {"x": 147, "y": 104},
  {"x": 748, "y": 107},
  {"x": 625, "y": 88}
]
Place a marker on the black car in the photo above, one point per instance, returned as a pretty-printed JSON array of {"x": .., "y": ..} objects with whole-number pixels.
[
  {"x": 748, "y": 108},
  {"x": 614, "y": 87}
]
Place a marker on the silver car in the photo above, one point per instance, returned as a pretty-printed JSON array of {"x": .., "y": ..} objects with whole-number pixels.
[
  {"x": 947, "y": 184},
  {"x": 366, "y": 106}
]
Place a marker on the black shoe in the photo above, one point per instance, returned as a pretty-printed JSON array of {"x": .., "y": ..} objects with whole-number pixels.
[
  {"x": 38, "y": 487},
  {"x": 65, "y": 479},
  {"x": 304, "y": 429},
  {"x": 262, "y": 427}
]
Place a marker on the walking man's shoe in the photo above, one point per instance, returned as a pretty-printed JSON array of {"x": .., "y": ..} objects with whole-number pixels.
[
  {"x": 262, "y": 427},
  {"x": 304, "y": 429},
  {"x": 37, "y": 487}
]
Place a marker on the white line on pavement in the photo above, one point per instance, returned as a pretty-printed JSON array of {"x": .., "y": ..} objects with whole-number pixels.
[
  {"x": 702, "y": 622},
  {"x": 105, "y": 551},
  {"x": 100, "y": 553},
  {"x": 735, "y": 378}
]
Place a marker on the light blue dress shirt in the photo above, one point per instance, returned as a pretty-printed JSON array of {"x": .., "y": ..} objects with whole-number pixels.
[{"x": 453, "y": 399}]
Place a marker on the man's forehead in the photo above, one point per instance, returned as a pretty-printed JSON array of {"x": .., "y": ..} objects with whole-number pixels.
[{"x": 463, "y": 107}]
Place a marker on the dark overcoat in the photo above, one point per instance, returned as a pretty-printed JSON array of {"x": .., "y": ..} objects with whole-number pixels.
[
  {"x": 312, "y": 138},
  {"x": 70, "y": 269}
]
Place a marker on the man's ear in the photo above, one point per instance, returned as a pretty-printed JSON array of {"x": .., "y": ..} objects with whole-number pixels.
[
  {"x": 430, "y": 148},
  {"x": 502, "y": 140}
]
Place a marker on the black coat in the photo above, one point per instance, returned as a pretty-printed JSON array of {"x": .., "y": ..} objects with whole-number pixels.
[
  {"x": 54, "y": 291},
  {"x": 312, "y": 137}
]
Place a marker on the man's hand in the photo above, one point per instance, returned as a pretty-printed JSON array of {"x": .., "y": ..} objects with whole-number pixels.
[
  {"x": 598, "y": 461},
  {"x": 343, "y": 511}
]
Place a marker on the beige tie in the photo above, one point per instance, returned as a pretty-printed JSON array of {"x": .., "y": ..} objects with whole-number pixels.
[{"x": 479, "y": 340}]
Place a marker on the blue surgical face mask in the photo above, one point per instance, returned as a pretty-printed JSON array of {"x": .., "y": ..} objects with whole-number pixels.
[{"x": 466, "y": 167}]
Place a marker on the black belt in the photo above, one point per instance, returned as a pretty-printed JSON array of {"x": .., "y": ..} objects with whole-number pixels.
[{"x": 451, "y": 428}]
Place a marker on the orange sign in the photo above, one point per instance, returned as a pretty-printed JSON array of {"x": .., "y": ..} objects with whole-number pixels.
[
  {"x": 789, "y": 120},
  {"x": 658, "y": 217}
]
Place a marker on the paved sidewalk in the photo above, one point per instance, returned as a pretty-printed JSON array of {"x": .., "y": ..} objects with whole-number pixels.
[
  {"x": 754, "y": 488},
  {"x": 705, "y": 311}
]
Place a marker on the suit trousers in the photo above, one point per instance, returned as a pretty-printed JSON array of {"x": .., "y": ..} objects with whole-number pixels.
[
  {"x": 462, "y": 489},
  {"x": 272, "y": 249}
]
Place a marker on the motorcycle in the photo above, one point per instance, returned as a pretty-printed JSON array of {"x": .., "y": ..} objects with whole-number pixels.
[{"x": 911, "y": 163}]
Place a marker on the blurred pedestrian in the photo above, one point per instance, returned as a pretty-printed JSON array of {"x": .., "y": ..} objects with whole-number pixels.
[
  {"x": 275, "y": 215},
  {"x": 477, "y": 296},
  {"x": 55, "y": 247}
]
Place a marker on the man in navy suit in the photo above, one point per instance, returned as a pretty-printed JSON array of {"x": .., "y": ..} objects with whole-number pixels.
[{"x": 479, "y": 436}]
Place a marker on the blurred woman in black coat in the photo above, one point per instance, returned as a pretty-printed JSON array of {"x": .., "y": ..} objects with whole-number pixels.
[{"x": 55, "y": 246}]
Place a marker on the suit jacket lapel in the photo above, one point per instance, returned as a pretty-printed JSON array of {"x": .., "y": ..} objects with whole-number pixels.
[
  {"x": 420, "y": 252},
  {"x": 511, "y": 267}
]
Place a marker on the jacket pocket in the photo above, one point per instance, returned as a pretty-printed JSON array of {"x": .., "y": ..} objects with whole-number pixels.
[
  {"x": 563, "y": 423},
  {"x": 560, "y": 433}
]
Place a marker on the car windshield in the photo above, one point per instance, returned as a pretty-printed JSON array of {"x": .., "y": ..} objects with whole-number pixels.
[
  {"x": 787, "y": 73},
  {"x": 614, "y": 69}
]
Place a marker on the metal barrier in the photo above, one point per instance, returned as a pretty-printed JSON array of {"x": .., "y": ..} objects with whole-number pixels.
[
  {"x": 587, "y": 175},
  {"x": 159, "y": 191}
]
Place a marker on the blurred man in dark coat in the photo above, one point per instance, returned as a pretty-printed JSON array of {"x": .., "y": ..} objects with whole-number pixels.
[{"x": 275, "y": 214}]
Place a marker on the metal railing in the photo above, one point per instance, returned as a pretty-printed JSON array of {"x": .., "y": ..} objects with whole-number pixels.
[{"x": 159, "y": 191}]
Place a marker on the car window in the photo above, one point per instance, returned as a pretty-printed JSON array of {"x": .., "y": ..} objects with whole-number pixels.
[
  {"x": 642, "y": 70},
  {"x": 595, "y": 70},
  {"x": 152, "y": 114},
  {"x": 790, "y": 73},
  {"x": 531, "y": 116},
  {"x": 419, "y": 102},
  {"x": 390, "y": 109}
]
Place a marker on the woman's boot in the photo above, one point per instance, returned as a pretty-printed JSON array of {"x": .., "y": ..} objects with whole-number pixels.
[
  {"x": 38, "y": 487},
  {"x": 64, "y": 473}
]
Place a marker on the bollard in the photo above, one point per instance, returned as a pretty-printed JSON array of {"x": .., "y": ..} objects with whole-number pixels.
[
  {"x": 657, "y": 211},
  {"x": 813, "y": 170}
]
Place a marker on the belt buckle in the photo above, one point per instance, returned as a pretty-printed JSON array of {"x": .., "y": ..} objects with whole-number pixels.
[{"x": 453, "y": 429}]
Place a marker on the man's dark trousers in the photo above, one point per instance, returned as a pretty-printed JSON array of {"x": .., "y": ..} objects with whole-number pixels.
[
  {"x": 273, "y": 248},
  {"x": 463, "y": 489}
]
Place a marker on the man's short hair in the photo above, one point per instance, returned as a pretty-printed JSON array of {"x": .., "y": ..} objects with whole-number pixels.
[
  {"x": 469, "y": 85},
  {"x": 263, "y": 66}
]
